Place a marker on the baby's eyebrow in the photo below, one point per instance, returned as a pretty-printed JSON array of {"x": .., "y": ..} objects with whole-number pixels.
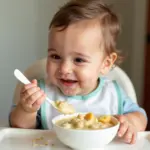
[{"x": 51, "y": 50}]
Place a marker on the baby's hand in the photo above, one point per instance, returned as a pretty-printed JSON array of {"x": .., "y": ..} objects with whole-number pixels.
[
  {"x": 126, "y": 130},
  {"x": 31, "y": 97}
]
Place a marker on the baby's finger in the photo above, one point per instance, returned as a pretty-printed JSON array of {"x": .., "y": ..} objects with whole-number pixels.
[
  {"x": 39, "y": 101},
  {"x": 134, "y": 137},
  {"x": 128, "y": 135},
  {"x": 34, "y": 97},
  {"x": 122, "y": 129},
  {"x": 29, "y": 92},
  {"x": 34, "y": 81},
  {"x": 27, "y": 86}
]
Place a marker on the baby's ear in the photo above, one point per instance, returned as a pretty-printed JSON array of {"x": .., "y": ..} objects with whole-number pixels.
[{"x": 108, "y": 63}]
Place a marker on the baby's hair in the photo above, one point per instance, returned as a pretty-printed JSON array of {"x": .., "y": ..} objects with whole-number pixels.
[{"x": 78, "y": 10}]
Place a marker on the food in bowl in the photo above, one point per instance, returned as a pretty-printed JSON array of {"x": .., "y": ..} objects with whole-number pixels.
[
  {"x": 86, "y": 121},
  {"x": 85, "y": 138},
  {"x": 64, "y": 107}
]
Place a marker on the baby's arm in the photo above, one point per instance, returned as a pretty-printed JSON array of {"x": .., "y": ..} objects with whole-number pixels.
[
  {"x": 133, "y": 120},
  {"x": 25, "y": 113},
  {"x": 22, "y": 119}
]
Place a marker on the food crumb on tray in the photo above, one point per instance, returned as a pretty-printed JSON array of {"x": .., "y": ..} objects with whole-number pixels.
[{"x": 41, "y": 142}]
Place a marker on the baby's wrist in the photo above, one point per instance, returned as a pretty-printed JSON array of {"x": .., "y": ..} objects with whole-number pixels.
[{"x": 25, "y": 110}]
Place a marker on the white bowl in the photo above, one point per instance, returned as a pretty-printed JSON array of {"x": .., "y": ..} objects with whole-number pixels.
[{"x": 84, "y": 139}]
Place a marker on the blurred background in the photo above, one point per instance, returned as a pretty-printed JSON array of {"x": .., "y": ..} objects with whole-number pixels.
[{"x": 23, "y": 39}]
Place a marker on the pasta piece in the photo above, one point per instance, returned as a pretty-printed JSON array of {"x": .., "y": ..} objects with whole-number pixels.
[
  {"x": 80, "y": 124},
  {"x": 67, "y": 125},
  {"x": 81, "y": 116},
  {"x": 95, "y": 126},
  {"x": 105, "y": 119},
  {"x": 106, "y": 125}
]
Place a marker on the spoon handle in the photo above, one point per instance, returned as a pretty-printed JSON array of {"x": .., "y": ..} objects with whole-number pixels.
[{"x": 21, "y": 77}]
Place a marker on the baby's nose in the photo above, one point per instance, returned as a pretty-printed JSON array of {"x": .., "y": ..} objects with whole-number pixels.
[{"x": 65, "y": 68}]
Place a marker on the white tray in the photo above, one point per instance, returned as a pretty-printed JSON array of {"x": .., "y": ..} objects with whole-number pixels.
[{"x": 21, "y": 139}]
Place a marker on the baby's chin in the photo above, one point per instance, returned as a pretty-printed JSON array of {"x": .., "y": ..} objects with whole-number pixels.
[{"x": 69, "y": 93}]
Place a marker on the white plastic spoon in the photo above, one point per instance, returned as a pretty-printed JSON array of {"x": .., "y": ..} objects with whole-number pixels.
[{"x": 21, "y": 77}]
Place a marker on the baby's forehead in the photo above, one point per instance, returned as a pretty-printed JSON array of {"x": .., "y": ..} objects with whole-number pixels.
[{"x": 86, "y": 30}]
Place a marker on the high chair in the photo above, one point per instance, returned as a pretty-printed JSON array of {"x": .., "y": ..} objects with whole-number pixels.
[{"x": 37, "y": 70}]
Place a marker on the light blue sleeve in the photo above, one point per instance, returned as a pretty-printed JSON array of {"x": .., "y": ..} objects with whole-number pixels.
[{"x": 130, "y": 106}]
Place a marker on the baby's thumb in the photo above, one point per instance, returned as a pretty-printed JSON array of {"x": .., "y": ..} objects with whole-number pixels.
[{"x": 34, "y": 81}]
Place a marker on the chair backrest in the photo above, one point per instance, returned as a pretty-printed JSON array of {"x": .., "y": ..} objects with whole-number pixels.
[{"x": 38, "y": 70}]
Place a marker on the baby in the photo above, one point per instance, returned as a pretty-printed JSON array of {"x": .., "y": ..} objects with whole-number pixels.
[{"x": 81, "y": 51}]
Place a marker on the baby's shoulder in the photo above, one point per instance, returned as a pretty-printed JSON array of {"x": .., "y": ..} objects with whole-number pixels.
[{"x": 108, "y": 84}]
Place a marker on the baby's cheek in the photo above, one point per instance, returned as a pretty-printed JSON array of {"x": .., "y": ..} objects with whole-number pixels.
[{"x": 84, "y": 75}]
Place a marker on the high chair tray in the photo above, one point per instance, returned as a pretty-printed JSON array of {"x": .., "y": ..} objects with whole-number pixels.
[{"x": 24, "y": 139}]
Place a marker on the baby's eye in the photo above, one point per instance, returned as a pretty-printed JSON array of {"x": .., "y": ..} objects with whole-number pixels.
[
  {"x": 54, "y": 56},
  {"x": 79, "y": 60}
]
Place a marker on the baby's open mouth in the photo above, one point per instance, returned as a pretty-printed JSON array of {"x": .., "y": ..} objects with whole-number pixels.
[{"x": 68, "y": 82}]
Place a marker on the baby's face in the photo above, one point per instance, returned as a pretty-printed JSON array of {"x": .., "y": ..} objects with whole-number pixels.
[{"x": 75, "y": 58}]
